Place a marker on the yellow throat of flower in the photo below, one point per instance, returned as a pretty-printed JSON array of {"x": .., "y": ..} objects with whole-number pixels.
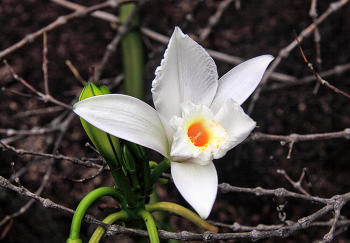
[
  {"x": 198, "y": 134},
  {"x": 203, "y": 133}
]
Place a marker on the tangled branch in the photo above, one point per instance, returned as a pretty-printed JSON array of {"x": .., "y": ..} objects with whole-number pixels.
[{"x": 333, "y": 204}]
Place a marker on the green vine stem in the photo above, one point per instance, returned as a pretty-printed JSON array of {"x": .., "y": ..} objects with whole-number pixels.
[
  {"x": 74, "y": 236},
  {"x": 132, "y": 53},
  {"x": 158, "y": 170},
  {"x": 110, "y": 219},
  {"x": 153, "y": 165},
  {"x": 150, "y": 225},
  {"x": 184, "y": 212}
]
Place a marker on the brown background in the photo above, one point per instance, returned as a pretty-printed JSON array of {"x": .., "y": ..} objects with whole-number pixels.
[{"x": 259, "y": 27}]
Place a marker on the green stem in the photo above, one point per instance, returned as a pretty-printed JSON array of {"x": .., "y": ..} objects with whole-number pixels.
[
  {"x": 158, "y": 170},
  {"x": 153, "y": 164},
  {"x": 132, "y": 53},
  {"x": 124, "y": 185},
  {"x": 133, "y": 69},
  {"x": 150, "y": 225},
  {"x": 74, "y": 236},
  {"x": 134, "y": 180},
  {"x": 145, "y": 176},
  {"x": 184, "y": 212},
  {"x": 110, "y": 219}
]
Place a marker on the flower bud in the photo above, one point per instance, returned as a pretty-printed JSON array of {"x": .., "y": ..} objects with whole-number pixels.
[
  {"x": 106, "y": 144},
  {"x": 138, "y": 151},
  {"x": 135, "y": 159},
  {"x": 128, "y": 159}
]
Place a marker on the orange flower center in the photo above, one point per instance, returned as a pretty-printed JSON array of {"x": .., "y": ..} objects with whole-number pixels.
[{"x": 198, "y": 134}]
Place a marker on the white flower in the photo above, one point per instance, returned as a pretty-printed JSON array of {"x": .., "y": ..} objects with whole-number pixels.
[{"x": 197, "y": 118}]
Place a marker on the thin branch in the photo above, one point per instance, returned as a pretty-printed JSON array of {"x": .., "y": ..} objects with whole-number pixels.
[
  {"x": 280, "y": 192},
  {"x": 89, "y": 163},
  {"x": 87, "y": 144},
  {"x": 38, "y": 111},
  {"x": 294, "y": 138},
  {"x": 337, "y": 70},
  {"x": 257, "y": 136},
  {"x": 6, "y": 230},
  {"x": 30, "y": 96},
  {"x": 45, "y": 62},
  {"x": 165, "y": 40},
  {"x": 318, "y": 77},
  {"x": 295, "y": 184},
  {"x": 75, "y": 72},
  {"x": 25, "y": 192},
  {"x": 83, "y": 180},
  {"x": 317, "y": 36},
  {"x": 33, "y": 131},
  {"x": 317, "y": 39},
  {"x": 10, "y": 139},
  {"x": 214, "y": 19},
  {"x": 122, "y": 31},
  {"x": 263, "y": 227},
  {"x": 284, "y": 53},
  {"x": 335, "y": 203},
  {"x": 62, "y": 20},
  {"x": 97, "y": 14},
  {"x": 44, "y": 97},
  {"x": 48, "y": 172}
]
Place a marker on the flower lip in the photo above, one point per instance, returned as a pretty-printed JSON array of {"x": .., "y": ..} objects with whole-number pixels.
[
  {"x": 198, "y": 134},
  {"x": 206, "y": 133}
]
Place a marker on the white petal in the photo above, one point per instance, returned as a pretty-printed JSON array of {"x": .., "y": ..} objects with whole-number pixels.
[
  {"x": 238, "y": 125},
  {"x": 198, "y": 184},
  {"x": 240, "y": 82},
  {"x": 125, "y": 117},
  {"x": 187, "y": 73}
]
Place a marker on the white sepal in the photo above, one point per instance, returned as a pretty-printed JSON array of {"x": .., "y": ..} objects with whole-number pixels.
[
  {"x": 125, "y": 117},
  {"x": 240, "y": 82},
  {"x": 198, "y": 185}
]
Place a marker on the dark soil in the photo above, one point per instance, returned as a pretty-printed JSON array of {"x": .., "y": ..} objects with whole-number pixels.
[{"x": 259, "y": 27}]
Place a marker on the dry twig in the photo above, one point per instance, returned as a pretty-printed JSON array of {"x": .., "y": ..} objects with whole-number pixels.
[
  {"x": 46, "y": 177},
  {"x": 88, "y": 163},
  {"x": 294, "y": 138},
  {"x": 45, "y": 97},
  {"x": 318, "y": 77},
  {"x": 284, "y": 53},
  {"x": 122, "y": 31},
  {"x": 333, "y": 204},
  {"x": 214, "y": 19},
  {"x": 60, "y": 21}
]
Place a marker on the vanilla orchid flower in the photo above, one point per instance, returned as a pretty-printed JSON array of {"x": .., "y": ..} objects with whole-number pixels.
[{"x": 197, "y": 118}]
